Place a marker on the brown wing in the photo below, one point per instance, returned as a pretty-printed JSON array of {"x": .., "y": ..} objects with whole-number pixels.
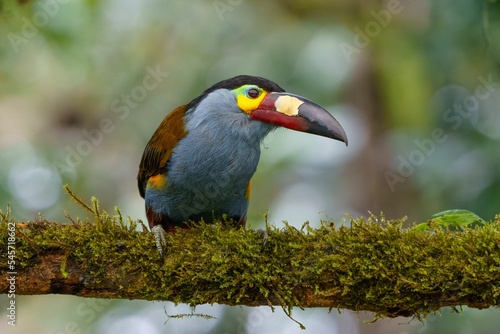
[{"x": 160, "y": 146}]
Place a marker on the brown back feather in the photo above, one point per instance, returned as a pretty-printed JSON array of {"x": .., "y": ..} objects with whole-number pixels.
[{"x": 159, "y": 148}]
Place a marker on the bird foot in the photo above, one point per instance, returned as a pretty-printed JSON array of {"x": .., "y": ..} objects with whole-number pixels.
[
  {"x": 161, "y": 241},
  {"x": 263, "y": 234}
]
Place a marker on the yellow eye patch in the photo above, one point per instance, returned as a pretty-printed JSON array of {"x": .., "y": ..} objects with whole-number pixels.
[{"x": 248, "y": 97}]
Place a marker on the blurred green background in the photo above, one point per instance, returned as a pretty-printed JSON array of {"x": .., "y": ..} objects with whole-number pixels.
[{"x": 416, "y": 85}]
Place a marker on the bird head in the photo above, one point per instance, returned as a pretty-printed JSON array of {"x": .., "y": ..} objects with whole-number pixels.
[{"x": 264, "y": 101}]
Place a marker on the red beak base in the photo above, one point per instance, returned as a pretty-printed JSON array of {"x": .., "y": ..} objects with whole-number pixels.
[{"x": 297, "y": 113}]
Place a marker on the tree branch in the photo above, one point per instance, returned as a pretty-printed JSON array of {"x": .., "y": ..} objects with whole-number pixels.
[{"x": 373, "y": 265}]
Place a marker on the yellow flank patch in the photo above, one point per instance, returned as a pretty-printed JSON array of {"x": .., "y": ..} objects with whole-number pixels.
[
  {"x": 249, "y": 191},
  {"x": 288, "y": 105},
  {"x": 157, "y": 181},
  {"x": 246, "y": 103}
]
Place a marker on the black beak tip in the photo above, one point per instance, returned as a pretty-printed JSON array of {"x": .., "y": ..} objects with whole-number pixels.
[
  {"x": 342, "y": 137},
  {"x": 337, "y": 133}
]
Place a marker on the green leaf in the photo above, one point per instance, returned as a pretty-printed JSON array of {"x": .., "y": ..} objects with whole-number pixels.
[{"x": 451, "y": 218}]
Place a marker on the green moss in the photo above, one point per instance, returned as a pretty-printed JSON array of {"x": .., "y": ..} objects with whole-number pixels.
[{"x": 371, "y": 264}]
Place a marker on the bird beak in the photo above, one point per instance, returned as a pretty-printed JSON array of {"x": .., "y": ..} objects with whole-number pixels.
[{"x": 298, "y": 113}]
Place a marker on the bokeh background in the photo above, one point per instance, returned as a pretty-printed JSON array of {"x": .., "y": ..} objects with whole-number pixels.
[{"x": 416, "y": 84}]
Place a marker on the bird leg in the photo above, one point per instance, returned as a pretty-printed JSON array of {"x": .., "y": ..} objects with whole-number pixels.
[
  {"x": 160, "y": 238},
  {"x": 263, "y": 234}
]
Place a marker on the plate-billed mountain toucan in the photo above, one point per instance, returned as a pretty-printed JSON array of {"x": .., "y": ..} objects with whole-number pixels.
[{"x": 199, "y": 162}]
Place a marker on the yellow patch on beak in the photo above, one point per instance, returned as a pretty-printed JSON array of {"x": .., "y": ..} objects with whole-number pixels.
[{"x": 288, "y": 105}]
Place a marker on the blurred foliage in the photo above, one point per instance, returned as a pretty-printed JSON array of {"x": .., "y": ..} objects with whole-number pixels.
[{"x": 406, "y": 78}]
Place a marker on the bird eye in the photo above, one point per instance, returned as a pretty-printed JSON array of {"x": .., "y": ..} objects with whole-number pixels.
[{"x": 253, "y": 93}]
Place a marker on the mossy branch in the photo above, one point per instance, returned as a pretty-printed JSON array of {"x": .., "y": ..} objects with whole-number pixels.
[{"x": 373, "y": 265}]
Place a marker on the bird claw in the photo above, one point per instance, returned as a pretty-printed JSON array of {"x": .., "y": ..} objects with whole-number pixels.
[
  {"x": 263, "y": 234},
  {"x": 161, "y": 241}
]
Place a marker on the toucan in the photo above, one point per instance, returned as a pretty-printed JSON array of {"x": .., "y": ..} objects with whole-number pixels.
[{"x": 199, "y": 162}]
